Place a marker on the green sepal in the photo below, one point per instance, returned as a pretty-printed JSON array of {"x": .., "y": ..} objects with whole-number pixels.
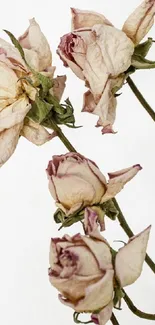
[
  {"x": 77, "y": 321},
  {"x": 143, "y": 48},
  {"x": 110, "y": 210},
  {"x": 139, "y": 62}
]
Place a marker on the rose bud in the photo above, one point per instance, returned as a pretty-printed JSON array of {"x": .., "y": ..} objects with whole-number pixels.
[
  {"x": 99, "y": 53},
  {"x": 76, "y": 182},
  {"x": 82, "y": 270}
]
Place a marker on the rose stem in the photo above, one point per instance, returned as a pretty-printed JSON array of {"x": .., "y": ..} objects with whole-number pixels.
[
  {"x": 135, "y": 310},
  {"x": 129, "y": 232},
  {"x": 141, "y": 98},
  {"x": 114, "y": 320}
]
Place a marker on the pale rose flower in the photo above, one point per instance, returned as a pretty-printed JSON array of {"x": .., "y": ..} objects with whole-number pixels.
[
  {"x": 16, "y": 93},
  {"x": 99, "y": 53},
  {"x": 76, "y": 182},
  {"x": 82, "y": 270}
]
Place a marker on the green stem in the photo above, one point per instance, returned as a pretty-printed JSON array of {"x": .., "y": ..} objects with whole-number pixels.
[
  {"x": 135, "y": 310},
  {"x": 140, "y": 97},
  {"x": 61, "y": 136},
  {"x": 114, "y": 320},
  {"x": 130, "y": 233}
]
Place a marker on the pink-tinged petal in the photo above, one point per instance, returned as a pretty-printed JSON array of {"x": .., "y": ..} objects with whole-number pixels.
[
  {"x": 34, "y": 39},
  {"x": 140, "y": 21},
  {"x": 36, "y": 133},
  {"x": 104, "y": 315},
  {"x": 118, "y": 179},
  {"x": 11, "y": 56},
  {"x": 130, "y": 258},
  {"x": 97, "y": 172},
  {"x": 86, "y": 18},
  {"x": 97, "y": 295},
  {"x": 59, "y": 86},
  {"x": 90, "y": 223},
  {"x": 88, "y": 102},
  {"x": 101, "y": 251},
  {"x": 116, "y": 48},
  {"x": 14, "y": 113},
  {"x": 8, "y": 142},
  {"x": 70, "y": 63},
  {"x": 108, "y": 130},
  {"x": 72, "y": 190}
]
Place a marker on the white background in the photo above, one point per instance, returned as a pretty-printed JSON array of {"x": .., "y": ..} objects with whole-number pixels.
[{"x": 26, "y": 207}]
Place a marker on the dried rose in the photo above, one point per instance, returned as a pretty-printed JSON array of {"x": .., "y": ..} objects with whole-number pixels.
[
  {"x": 82, "y": 270},
  {"x": 76, "y": 182},
  {"x": 99, "y": 53}
]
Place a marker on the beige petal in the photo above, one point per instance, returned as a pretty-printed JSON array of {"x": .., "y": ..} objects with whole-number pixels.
[
  {"x": 14, "y": 113},
  {"x": 118, "y": 180},
  {"x": 91, "y": 215},
  {"x": 97, "y": 295},
  {"x": 140, "y": 21},
  {"x": 104, "y": 315},
  {"x": 101, "y": 251},
  {"x": 86, "y": 18},
  {"x": 36, "y": 133},
  {"x": 34, "y": 39},
  {"x": 59, "y": 86},
  {"x": 74, "y": 287},
  {"x": 130, "y": 258},
  {"x": 8, "y": 142},
  {"x": 72, "y": 189},
  {"x": 116, "y": 48},
  {"x": 86, "y": 173},
  {"x": 32, "y": 59}
]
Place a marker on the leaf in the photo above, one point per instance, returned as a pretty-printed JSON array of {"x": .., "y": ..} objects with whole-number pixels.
[
  {"x": 39, "y": 111},
  {"x": 16, "y": 44},
  {"x": 140, "y": 62},
  {"x": 143, "y": 48}
]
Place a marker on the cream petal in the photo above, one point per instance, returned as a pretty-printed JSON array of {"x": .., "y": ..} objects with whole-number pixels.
[
  {"x": 34, "y": 39},
  {"x": 85, "y": 172},
  {"x": 86, "y": 18},
  {"x": 8, "y": 85},
  {"x": 8, "y": 142},
  {"x": 32, "y": 59},
  {"x": 97, "y": 295},
  {"x": 36, "y": 133},
  {"x": 140, "y": 21},
  {"x": 97, "y": 172},
  {"x": 116, "y": 48},
  {"x": 104, "y": 315},
  {"x": 72, "y": 189},
  {"x": 129, "y": 260},
  {"x": 14, "y": 113},
  {"x": 118, "y": 179},
  {"x": 101, "y": 251}
]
